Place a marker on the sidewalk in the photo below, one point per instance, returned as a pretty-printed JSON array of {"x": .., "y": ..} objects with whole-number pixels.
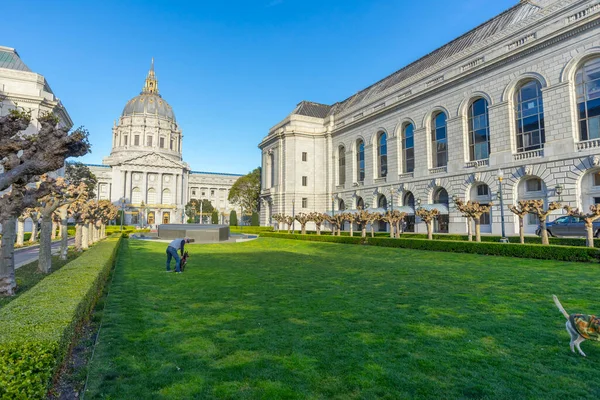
[{"x": 30, "y": 254}]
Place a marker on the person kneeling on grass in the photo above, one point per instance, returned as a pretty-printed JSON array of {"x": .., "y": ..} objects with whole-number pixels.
[{"x": 174, "y": 246}]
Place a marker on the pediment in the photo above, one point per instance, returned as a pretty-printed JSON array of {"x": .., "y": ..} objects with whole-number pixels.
[{"x": 153, "y": 160}]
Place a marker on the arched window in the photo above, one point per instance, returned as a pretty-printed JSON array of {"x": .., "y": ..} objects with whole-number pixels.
[
  {"x": 166, "y": 196},
  {"x": 382, "y": 154},
  {"x": 360, "y": 203},
  {"x": 136, "y": 196},
  {"x": 360, "y": 160},
  {"x": 441, "y": 197},
  {"x": 382, "y": 202},
  {"x": 342, "y": 205},
  {"x": 342, "y": 165},
  {"x": 530, "y": 117},
  {"x": 408, "y": 148},
  {"x": 151, "y": 196},
  {"x": 439, "y": 141},
  {"x": 479, "y": 130},
  {"x": 442, "y": 222},
  {"x": 409, "y": 199},
  {"x": 587, "y": 80}
]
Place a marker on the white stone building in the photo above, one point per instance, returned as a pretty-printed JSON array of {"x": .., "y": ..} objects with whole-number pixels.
[
  {"x": 520, "y": 93},
  {"x": 21, "y": 88},
  {"x": 145, "y": 166}
]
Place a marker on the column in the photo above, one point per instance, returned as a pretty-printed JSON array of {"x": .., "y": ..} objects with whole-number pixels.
[{"x": 144, "y": 187}]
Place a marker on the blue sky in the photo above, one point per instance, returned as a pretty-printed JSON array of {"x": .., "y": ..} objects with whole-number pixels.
[{"x": 230, "y": 69}]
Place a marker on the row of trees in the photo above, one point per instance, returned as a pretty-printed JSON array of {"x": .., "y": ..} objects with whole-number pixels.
[
  {"x": 25, "y": 159},
  {"x": 471, "y": 210}
]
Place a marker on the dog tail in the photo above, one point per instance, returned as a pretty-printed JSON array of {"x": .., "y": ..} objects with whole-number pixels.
[{"x": 560, "y": 307}]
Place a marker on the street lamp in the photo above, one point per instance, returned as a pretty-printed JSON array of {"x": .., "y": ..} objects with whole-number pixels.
[
  {"x": 559, "y": 190},
  {"x": 122, "y": 202},
  {"x": 293, "y": 215},
  {"x": 500, "y": 176},
  {"x": 332, "y": 205},
  {"x": 201, "y": 201},
  {"x": 392, "y": 198}
]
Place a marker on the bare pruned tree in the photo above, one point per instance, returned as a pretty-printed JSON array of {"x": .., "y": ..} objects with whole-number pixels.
[
  {"x": 303, "y": 219},
  {"x": 318, "y": 219},
  {"x": 588, "y": 219},
  {"x": 521, "y": 209},
  {"x": 428, "y": 216},
  {"x": 537, "y": 208}
]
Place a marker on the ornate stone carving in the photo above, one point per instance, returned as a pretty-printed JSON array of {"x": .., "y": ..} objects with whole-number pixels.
[
  {"x": 477, "y": 177},
  {"x": 151, "y": 177},
  {"x": 437, "y": 182},
  {"x": 153, "y": 160},
  {"x": 595, "y": 160},
  {"x": 136, "y": 177},
  {"x": 167, "y": 178},
  {"x": 527, "y": 170}
]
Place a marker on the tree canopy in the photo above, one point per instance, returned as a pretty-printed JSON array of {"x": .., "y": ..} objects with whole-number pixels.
[{"x": 246, "y": 191}]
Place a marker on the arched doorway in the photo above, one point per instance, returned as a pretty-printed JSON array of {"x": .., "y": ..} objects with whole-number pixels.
[
  {"x": 409, "y": 201},
  {"x": 441, "y": 223},
  {"x": 481, "y": 193},
  {"x": 151, "y": 220},
  {"x": 382, "y": 206},
  {"x": 166, "y": 217}
]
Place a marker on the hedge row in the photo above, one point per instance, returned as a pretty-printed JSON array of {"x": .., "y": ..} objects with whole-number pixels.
[
  {"x": 250, "y": 229},
  {"x": 575, "y": 241},
  {"x": 38, "y": 327},
  {"x": 559, "y": 253}
]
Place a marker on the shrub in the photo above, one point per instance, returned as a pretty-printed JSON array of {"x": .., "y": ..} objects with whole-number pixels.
[
  {"x": 233, "y": 218},
  {"x": 215, "y": 217},
  {"x": 38, "y": 327},
  {"x": 559, "y": 253},
  {"x": 254, "y": 221}
]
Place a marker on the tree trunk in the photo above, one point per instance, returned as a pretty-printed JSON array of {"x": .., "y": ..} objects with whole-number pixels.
[
  {"x": 91, "y": 233},
  {"x": 521, "y": 230},
  {"x": 45, "y": 251},
  {"x": 289, "y": 228},
  {"x": 103, "y": 231},
  {"x": 53, "y": 231},
  {"x": 64, "y": 236},
  {"x": 429, "y": 229},
  {"x": 545, "y": 239},
  {"x": 78, "y": 228},
  {"x": 469, "y": 229},
  {"x": 7, "y": 262},
  {"x": 303, "y": 228},
  {"x": 351, "y": 228},
  {"x": 478, "y": 229},
  {"x": 398, "y": 232},
  {"x": 318, "y": 229},
  {"x": 392, "y": 235},
  {"x": 590, "y": 234},
  {"x": 20, "y": 231},
  {"x": 85, "y": 236},
  {"x": 363, "y": 228},
  {"x": 372, "y": 231},
  {"x": 33, "y": 236}
]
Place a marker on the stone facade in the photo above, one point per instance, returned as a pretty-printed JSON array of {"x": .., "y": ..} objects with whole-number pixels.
[
  {"x": 543, "y": 43},
  {"x": 145, "y": 170}
]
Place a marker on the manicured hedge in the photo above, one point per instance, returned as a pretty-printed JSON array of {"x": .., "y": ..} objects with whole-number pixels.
[
  {"x": 559, "y": 253},
  {"x": 37, "y": 328},
  {"x": 250, "y": 229}
]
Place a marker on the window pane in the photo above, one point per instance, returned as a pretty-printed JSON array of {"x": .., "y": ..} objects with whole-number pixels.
[
  {"x": 597, "y": 179},
  {"x": 534, "y": 185}
]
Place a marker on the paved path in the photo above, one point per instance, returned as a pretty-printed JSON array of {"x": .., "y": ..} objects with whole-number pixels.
[{"x": 30, "y": 254}]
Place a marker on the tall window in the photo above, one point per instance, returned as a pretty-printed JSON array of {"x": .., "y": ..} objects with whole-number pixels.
[
  {"x": 172, "y": 143},
  {"x": 382, "y": 202},
  {"x": 151, "y": 196},
  {"x": 479, "y": 130},
  {"x": 588, "y": 99},
  {"x": 342, "y": 166},
  {"x": 533, "y": 185},
  {"x": 149, "y": 141},
  {"x": 166, "y": 196},
  {"x": 530, "y": 117},
  {"x": 304, "y": 156},
  {"x": 408, "y": 148},
  {"x": 409, "y": 199},
  {"x": 342, "y": 205},
  {"x": 439, "y": 141},
  {"x": 304, "y": 181},
  {"x": 136, "y": 196},
  {"x": 125, "y": 140},
  {"x": 304, "y": 202},
  {"x": 162, "y": 142},
  {"x": 442, "y": 222},
  {"x": 597, "y": 179},
  {"x": 382, "y": 154},
  {"x": 136, "y": 140},
  {"x": 360, "y": 160}
]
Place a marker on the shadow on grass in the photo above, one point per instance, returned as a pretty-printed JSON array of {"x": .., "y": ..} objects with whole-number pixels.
[{"x": 287, "y": 319}]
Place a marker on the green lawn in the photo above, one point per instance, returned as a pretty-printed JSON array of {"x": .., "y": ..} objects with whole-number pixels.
[{"x": 279, "y": 318}]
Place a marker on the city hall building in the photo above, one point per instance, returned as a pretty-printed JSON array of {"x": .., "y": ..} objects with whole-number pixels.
[
  {"x": 145, "y": 172},
  {"x": 519, "y": 93}
]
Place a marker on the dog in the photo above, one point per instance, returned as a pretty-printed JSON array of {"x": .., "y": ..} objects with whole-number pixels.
[
  {"x": 581, "y": 327},
  {"x": 184, "y": 261}
]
